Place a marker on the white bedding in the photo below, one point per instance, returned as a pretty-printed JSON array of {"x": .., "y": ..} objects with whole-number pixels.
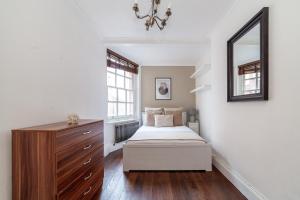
[{"x": 166, "y": 136}]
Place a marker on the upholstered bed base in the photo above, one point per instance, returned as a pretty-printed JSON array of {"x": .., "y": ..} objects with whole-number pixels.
[{"x": 195, "y": 157}]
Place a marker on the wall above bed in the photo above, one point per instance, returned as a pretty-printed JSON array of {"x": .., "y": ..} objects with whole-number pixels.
[{"x": 181, "y": 85}]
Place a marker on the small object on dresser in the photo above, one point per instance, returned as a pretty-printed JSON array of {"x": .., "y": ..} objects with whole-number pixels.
[
  {"x": 194, "y": 126},
  {"x": 73, "y": 119}
]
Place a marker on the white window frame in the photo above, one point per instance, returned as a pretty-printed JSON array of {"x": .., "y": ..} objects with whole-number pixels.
[
  {"x": 257, "y": 84},
  {"x": 133, "y": 90}
]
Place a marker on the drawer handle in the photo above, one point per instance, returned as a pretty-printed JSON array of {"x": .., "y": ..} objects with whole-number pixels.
[
  {"x": 87, "y": 132},
  {"x": 87, "y": 162},
  {"x": 88, "y": 191},
  {"x": 87, "y": 147},
  {"x": 88, "y": 177}
]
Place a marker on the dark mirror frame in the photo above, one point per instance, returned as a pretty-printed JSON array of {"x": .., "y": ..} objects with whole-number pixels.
[{"x": 263, "y": 18}]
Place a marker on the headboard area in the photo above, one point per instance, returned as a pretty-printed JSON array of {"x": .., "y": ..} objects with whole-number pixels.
[{"x": 184, "y": 118}]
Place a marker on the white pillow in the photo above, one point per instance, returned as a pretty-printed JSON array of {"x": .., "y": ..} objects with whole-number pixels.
[
  {"x": 173, "y": 109},
  {"x": 152, "y": 109},
  {"x": 163, "y": 120}
]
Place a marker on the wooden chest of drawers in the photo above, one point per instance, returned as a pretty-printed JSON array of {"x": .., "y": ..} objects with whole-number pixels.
[{"x": 58, "y": 161}]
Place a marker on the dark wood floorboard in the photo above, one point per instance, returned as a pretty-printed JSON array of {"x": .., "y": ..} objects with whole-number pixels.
[{"x": 152, "y": 185}]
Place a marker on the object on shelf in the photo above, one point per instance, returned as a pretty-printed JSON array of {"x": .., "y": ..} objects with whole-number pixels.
[
  {"x": 201, "y": 87},
  {"x": 202, "y": 69}
]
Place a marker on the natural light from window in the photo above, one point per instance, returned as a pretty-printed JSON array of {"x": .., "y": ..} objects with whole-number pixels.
[{"x": 120, "y": 93}]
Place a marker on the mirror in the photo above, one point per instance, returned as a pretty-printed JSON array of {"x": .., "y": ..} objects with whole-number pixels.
[
  {"x": 246, "y": 63},
  {"x": 248, "y": 60}
]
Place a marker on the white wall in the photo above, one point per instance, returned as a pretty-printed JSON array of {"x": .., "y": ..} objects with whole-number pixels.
[
  {"x": 51, "y": 64},
  {"x": 204, "y": 96},
  {"x": 109, "y": 139},
  {"x": 257, "y": 143}
]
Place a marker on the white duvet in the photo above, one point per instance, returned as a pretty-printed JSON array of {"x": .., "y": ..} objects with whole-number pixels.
[{"x": 165, "y": 135}]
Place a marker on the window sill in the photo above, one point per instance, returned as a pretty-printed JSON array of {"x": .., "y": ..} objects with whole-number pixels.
[{"x": 116, "y": 121}]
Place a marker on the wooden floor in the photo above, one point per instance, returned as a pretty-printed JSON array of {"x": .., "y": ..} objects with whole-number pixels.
[{"x": 164, "y": 185}]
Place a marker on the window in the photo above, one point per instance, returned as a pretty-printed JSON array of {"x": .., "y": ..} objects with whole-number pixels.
[
  {"x": 252, "y": 83},
  {"x": 250, "y": 77},
  {"x": 121, "y": 88}
]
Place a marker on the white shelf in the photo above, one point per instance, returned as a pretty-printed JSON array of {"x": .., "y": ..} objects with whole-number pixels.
[
  {"x": 201, "y": 69},
  {"x": 201, "y": 87}
]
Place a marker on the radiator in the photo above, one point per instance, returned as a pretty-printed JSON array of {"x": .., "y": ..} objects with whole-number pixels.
[{"x": 124, "y": 131}]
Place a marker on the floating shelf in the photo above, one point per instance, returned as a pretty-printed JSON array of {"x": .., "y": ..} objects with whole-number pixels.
[
  {"x": 201, "y": 87},
  {"x": 201, "y": 69}
]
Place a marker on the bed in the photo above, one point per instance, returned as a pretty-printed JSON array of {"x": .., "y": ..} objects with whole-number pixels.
[{"x": 166, "y": 148}]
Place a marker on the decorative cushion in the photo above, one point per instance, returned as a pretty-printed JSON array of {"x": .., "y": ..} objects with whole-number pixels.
[
  {"x": 177, "y": 117},
  {"x": 163, "y": 120},
  {"x": 149, "y": 119}
]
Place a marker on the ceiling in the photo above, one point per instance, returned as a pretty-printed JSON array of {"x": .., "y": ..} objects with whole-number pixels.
[
  {"x": 182, "y": 42},
  {"x": 161, "y": 55}
]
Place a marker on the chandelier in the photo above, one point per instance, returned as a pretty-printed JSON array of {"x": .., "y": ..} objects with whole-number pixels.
[{"x": 152, "y": 17}]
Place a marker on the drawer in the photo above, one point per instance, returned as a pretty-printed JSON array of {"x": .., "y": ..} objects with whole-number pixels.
[
  {"x": 69, "y": 137},
  {"x": 95, "y": 190},
  {"x": 84, "y": 188},
  {"x": 73, "y": 172},
  {"x": 71, "y": 155}
]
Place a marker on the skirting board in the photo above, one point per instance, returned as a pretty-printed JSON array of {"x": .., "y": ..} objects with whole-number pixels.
[
  {"x": 108, "y": 148},
  {"x": 248, "y": 190}
]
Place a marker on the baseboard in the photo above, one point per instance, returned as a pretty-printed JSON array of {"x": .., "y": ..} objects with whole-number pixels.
[
  {"x": 108, "y": 148},
  {"x": 247, "y": 189}
]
